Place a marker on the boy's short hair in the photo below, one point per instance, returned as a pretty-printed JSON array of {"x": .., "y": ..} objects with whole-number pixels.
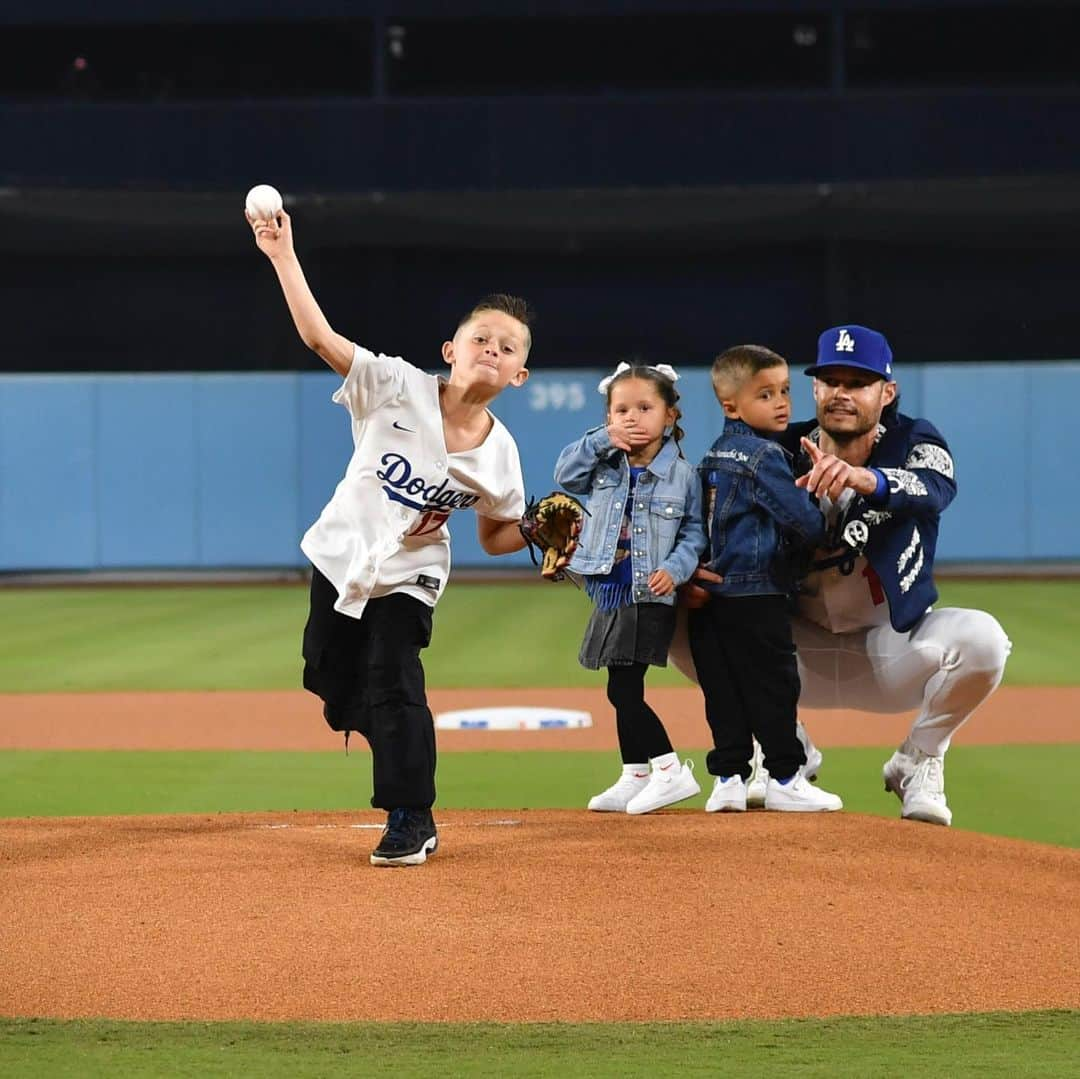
[
  {"x": 514, "y": 306},
  {"x": 736, "y": 364}
]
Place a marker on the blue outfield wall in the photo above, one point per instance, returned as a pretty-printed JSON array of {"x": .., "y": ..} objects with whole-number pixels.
[{"x": 220, "y": 470}]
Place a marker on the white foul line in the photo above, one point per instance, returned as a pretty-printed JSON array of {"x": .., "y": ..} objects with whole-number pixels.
[{"x": 507, "y": 823}]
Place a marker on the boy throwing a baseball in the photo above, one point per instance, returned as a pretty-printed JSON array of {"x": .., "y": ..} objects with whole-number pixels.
[{"x": 424, "y": 446}]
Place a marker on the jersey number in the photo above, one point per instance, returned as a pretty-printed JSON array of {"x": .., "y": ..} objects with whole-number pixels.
[
  {"x": 877, "y": 593},
  {"x": 428, "y": 522}
]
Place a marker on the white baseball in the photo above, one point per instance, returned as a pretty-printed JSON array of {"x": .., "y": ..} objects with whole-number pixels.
[{"x": 263, "y": 202}]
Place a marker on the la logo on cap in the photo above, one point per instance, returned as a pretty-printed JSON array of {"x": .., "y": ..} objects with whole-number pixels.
[{"x": 845, "y": 342}]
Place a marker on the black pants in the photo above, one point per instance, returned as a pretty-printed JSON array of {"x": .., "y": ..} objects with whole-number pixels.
[
  {"x": 641, "y": 734},
  {"x": 367, "y": 671},
  {"x": 745, "y": 661}
]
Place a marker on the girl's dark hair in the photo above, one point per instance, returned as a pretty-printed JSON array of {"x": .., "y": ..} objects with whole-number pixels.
[{"x": 664, "y": 387}]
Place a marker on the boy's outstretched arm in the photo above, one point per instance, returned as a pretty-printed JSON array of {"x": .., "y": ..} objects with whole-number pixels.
[
  {"x": 499, "y": 537},
  {"x": 274, "y": 240}
]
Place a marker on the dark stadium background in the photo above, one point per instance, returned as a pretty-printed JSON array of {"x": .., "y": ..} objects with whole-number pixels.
[{"x": 659, "y": 179}]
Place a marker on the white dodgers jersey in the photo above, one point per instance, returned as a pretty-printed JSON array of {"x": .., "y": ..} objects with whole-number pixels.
[{"x": 384, "y": 530}]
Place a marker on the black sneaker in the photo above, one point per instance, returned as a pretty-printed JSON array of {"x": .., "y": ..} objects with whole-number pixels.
[{"x": 408, "y": 838}]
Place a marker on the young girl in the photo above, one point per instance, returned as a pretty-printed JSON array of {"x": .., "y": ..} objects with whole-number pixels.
[{"x": 641, "y": 539}]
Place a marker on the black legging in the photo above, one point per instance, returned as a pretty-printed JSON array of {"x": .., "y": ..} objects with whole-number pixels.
[{"x": 641, "y": 734}]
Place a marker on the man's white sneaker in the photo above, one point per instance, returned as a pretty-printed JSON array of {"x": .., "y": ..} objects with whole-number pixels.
[
  {"x": 758, "y": 783},
  {"x": 666, "y": 786},
  {"x": 728, "y": 795},
  {"x": 799, "y": 795},
  {"x": 897, "y": 768},
  {"x": 918, "y": 780},
  {"x": 813, "y": 755},
  {"x": 759, "y": 779},
  {"x": 633, "y": 781}
]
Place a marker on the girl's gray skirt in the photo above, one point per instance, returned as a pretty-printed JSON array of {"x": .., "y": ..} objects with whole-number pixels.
[{"x": 638, "y": 633}]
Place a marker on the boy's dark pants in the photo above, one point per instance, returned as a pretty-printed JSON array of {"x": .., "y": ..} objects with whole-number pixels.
[
  {"x": 745, "y": 661},
  {"x": 367, "y": 671}
]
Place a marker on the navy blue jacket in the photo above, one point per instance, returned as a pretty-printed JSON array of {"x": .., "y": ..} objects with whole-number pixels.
[
  {"x": 751, "y": 506},
  {"x": 897, "y": 533}
]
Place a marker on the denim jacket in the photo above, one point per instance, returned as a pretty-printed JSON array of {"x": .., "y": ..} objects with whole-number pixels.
[
  {"x": 665, "y": 519},
  {"x": 753, "y": 505}
]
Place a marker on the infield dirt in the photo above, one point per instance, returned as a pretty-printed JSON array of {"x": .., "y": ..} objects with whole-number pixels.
[
  {"x": 538, "y": 915},
  {"x": 531, "y": 916},
  {"x": 291, "y": 720}
]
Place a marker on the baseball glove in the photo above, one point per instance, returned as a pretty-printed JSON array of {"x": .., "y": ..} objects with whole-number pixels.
[{"x": 553, "y": 524}]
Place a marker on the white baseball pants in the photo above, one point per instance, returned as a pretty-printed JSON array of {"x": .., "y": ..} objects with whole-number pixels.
[{"x": 945, "y": 667}]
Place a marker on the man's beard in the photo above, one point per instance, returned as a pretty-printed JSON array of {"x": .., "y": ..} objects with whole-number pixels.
[{"x": 847, "y": 435}]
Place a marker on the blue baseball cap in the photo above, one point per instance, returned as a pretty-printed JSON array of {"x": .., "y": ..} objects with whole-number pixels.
[{"x": 854, "y": 346}]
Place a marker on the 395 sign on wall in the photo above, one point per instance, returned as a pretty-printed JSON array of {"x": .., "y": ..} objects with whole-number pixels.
[{"x": 556, "y": 395}]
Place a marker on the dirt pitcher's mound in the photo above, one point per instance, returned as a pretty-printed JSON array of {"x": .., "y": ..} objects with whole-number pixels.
[{"x": 531, "y": 916}]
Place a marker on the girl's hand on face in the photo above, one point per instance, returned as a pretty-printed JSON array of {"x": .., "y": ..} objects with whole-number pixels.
[
  {"x": 618, "y": 438},
  {"x": 660, "y": 583},
  {"x": 636, "y": 437}
]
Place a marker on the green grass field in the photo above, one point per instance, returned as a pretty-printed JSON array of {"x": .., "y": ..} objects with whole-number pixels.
[
  {"x": 247, "y": 637},
  {"x": 46, "y": 783},
  {"x": 522, "y": 634},
  {"x": 989, "y": 1046}
]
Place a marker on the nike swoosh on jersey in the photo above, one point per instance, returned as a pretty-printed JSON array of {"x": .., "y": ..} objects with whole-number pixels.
[{"x": 400, "y": 428}]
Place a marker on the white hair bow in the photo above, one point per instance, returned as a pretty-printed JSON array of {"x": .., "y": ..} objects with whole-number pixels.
[{"x": 664, "y": 369}]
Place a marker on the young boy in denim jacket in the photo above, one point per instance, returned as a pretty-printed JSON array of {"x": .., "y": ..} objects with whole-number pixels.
[{"x": 741, "y": 639}]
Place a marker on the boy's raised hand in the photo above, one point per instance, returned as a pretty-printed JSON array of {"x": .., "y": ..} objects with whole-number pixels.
[{"x": 272, "y": 237}]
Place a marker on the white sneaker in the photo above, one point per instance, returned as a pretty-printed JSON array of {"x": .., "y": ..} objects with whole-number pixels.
[
  {"x": 799, "y": 795},
  {"x": 918, "y": 780},
  {"x": 633, "y": 781},
  {"x": 666, "y": 786},
  {"x": 813, "y": 755},
  {"x": 759, "y": 779},
  {"x": 728, "y": 796}
]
